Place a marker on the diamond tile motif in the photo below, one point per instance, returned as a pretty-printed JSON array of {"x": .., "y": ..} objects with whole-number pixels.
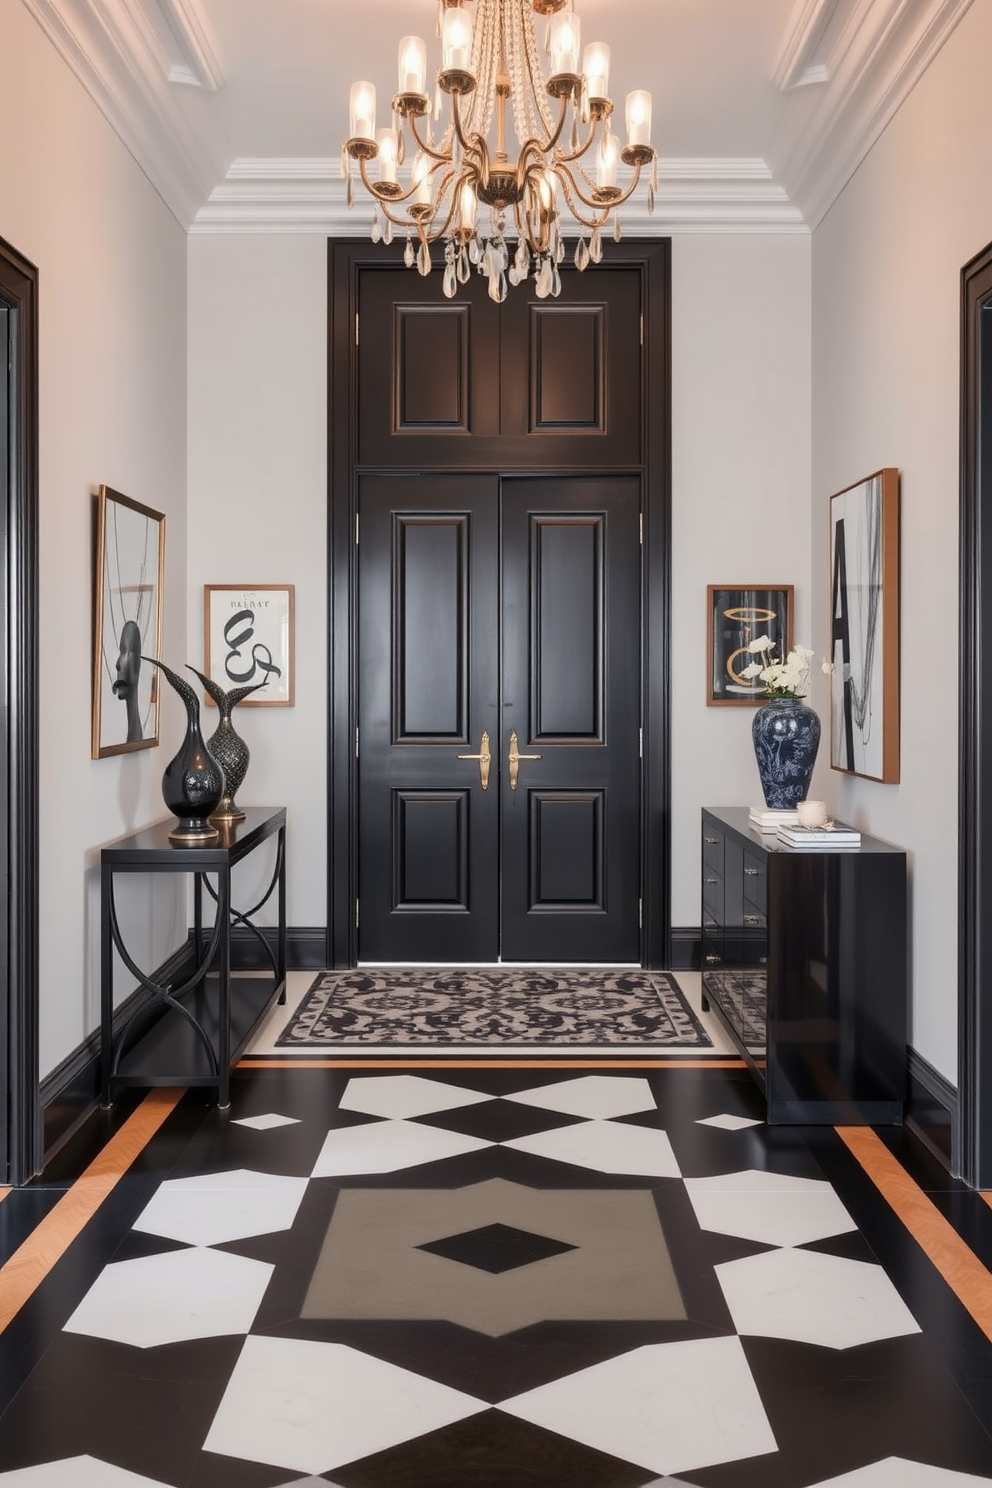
[
  {"x": 896, "y": 1472},
  {"x": 214, "y": 1208},
  {"x": 728, "y": 1123},
  {"x": 183, "y": 1294},
  {"x": 403, "y": 1096},
  {"x": 312, "y": 1407},
  {"x": 497, "y": 1248},
  {"x": 600, "y": 1096},
  {"x": 808, "y": 1297},
  {"x": 267, "y": 1122},
  {"x": 388, "y": 1147},
  {"x": 772, "y": 1208},
  {"x": 77, "y": 1472},
  {"x": 606, "y": 1147},
  {"x": 668, "y": 1407}
]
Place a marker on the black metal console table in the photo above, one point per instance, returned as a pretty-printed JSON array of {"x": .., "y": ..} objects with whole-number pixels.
[{"x": 190, "y": 1034}]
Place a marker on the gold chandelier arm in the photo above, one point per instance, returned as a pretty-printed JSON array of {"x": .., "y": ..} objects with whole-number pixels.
[
  {"x": 577, "y": 154},
  {"x": 439, "y": 155},
  {"x": 375, "y": 189},
  {"x": 570, "y": 185},
  {"x": 425, "y": 229}
]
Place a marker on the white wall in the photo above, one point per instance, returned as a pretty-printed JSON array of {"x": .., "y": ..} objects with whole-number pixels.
[
  {"x": 741, "y": 451},
  {"x": 886, "y": 282},
  {"x": 112, "y": 275},
  {"x": 257, "y": 477}
]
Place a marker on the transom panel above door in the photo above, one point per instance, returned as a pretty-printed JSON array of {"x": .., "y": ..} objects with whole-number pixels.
[
  {"x": 499, "y": 715},
  {"x": 528, "y": 384}
]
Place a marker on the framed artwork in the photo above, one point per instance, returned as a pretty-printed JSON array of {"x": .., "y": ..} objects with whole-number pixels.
[
  {"x": 248, "y": 638},
  {"x": 130, "y": 583},
  {"x": 864, "y": 628},
  {"x": 736, "y": 615}
]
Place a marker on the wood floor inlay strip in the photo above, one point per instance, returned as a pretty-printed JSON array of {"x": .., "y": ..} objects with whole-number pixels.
[
  {"x": 964, "y": 1273},
  {"x": 27, "y": 1268},
  {"x": 675, "y": 1062}
]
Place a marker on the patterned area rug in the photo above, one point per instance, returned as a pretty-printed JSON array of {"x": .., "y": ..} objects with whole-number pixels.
[{"x": 473, "y": 1005}]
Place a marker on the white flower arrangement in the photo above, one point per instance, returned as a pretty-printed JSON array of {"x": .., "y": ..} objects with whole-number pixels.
[{"x": 783, "y": 679}]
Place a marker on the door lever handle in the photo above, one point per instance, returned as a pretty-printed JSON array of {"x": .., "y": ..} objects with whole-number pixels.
[
  {"x": 516, "y": 757},
  {"x": 484, "y": 757}
]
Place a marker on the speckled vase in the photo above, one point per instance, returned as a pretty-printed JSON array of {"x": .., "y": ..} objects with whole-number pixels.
[
  {"x": 227, "y": 746},
  {"x": 786, "y": 738},
  {"x": 193, "y": 783}
]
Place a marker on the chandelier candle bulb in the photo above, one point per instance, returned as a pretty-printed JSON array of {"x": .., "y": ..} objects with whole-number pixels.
[
  {"x": 564, "y": 43},
  {"x": 606, "y": 162},
  {"x": 362, "y": 111},
  {"x": 412, "y": 64},
  {"x": 468, "y": 207},
  {"x": 456, "y": 40},
  {"x": 387, "y": 143},
  {"x": 596, "y": 70},
  {"x": 639, "y": 117},
  {"x": 422, "y": 181}
]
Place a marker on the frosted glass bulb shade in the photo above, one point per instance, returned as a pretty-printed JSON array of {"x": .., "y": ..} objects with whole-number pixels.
[
  {"x": 639, "y": 117},
  {"x": 388, "y": 150},
  {"x": 422, "y": 180},
  {"x": 564, "y": 43},
  {"x": 362, "y": 111},
  {"x": 606, "y": 161},
  {"x": 412, "y": 64},
  {"x": 596, "y": 69},
  {"x": 456, "y": 40},
  {"x": 468, "y": 205}
]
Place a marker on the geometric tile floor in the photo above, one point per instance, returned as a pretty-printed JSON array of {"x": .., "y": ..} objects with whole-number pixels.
[{"x": 514, "y": 1277}]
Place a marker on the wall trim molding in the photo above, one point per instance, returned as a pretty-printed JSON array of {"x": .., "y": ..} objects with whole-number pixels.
[
  {"x": 932, "y": 1109},
  {"x": 687, "y": 948}
]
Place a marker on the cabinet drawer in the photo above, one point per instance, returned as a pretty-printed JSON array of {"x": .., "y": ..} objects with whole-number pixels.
[
  {"x": 713, "y": 896},
  {"x": 713, "y": 840},
  {"x": 755, "y": 880}
]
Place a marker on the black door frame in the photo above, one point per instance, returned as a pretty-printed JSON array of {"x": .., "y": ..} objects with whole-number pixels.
[
  {"x": 973, "y": 1144},
  {"x": 19, "y": 1011},
  {"x": 346, "y": 260}
]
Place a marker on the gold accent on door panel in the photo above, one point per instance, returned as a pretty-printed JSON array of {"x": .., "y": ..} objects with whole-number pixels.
[
  {"x": 484, "y": 757},
  {"x": 516, "y": 757}
]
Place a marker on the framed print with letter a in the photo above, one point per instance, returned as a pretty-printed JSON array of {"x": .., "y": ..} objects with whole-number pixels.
[
  {"x": 248, "y": 635},
  {"x": 864, "y": 628}
]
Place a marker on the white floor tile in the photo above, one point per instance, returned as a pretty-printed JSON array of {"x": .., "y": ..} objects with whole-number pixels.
[
  {"x": 388, "y": 1146},
  {"x": 183, "y": 1294},
  {"x": 312, "y": 1406},
  {"x": 77, "y": 1472},
  {"x": 403, "y": 1096},
  {"x": 668, "y": 1407},
  {"x": 213, "y": 1208},
  {"x": 768, "y": 1207},
  {"x": 267, "y": 1122},
  {"x": 728, "y": 1123},
  {"x": 812, "y": 1298},
  {"x": 606, "y": 1147},
  {"x": 591, "y": 1095},
  {"x": 897, "y": 1472}
]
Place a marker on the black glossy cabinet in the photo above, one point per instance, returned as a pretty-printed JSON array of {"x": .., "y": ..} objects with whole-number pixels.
[{"x": 804, "y": 957}]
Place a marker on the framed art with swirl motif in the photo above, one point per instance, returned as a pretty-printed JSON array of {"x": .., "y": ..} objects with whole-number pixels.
[
  {"x": 248, "y": 638},
  {"x": 736, "y": 615}
]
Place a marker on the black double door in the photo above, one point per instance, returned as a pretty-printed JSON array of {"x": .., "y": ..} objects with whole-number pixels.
[
  {"x": 498, "y": 664},
  {"x": 499, "y": 719}
]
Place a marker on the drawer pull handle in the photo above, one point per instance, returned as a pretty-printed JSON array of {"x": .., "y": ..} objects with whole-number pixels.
[
  {"x": 712, "y": 880},
  {"x": 753, "y": 872},
  {"x": 712, "y": 960},
  {"x": 752, "y": 919},
  {"x": 711, "y": 841}
]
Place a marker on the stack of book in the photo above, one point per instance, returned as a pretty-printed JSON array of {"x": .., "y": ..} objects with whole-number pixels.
[
  {"x": 836, "y": 834},
  {"x": 767, "y": 820}
]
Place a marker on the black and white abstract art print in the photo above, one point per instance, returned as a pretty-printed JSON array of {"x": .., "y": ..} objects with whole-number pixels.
[{"x": 864, "y": 628}]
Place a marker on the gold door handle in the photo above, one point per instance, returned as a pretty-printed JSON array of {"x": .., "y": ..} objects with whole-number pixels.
[
  {"x": 484, "y": 757},
  {"x": 516, "y": 757}
]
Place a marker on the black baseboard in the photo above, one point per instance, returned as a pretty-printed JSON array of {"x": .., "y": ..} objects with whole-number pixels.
[
  {"x": 932, "y": 1109},
  {"x": 72, "y": 1090},
  {"x": 686, "y": 948}
]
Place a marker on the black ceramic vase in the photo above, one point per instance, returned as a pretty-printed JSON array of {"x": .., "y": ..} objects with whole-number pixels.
[
  {"x": 193, "y": 783},
  {"x": 227, "y": 746},
  {"x": 786, "y": 738}
]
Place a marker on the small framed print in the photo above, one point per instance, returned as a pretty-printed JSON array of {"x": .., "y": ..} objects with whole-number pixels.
[
  {"x": 736, "y": 615},
  {"x": 130, "y": 581},
  {"x": 248, "y": 640}
]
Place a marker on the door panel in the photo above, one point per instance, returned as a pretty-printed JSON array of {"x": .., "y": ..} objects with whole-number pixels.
[
  {"x": 571, "y": 692},
  {"x": 428, "y": 833}
]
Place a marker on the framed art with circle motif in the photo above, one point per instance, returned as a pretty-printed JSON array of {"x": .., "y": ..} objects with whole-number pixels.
[
  {"x": 130, "y": 582},
  {"x": 736, "y": 615}
]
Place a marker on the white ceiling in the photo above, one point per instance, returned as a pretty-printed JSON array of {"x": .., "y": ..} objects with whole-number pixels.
[{"x": 235, "y": 109}]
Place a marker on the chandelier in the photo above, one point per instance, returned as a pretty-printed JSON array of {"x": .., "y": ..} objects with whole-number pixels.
[{"x": 498, "y": 214}]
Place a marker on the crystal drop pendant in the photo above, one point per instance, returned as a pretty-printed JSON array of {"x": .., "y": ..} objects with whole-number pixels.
[
  {"x": 650, "y": 200},
  {"x": 450, "y": 283},
  {"x": 387, "y": 231},
  {"x": 409, "y": 256},
  {"x": 375, "y": 232},
  {"x": 555, "y": 282},
  {"x": 581, "y": 255},
  {"x": 596, "y": 246},
  {"x": 616, "y": 228},
  {"x": 349, "y": 194},
  {"x": 424, "y": 260},
  {"x": 464, "y": 267}
]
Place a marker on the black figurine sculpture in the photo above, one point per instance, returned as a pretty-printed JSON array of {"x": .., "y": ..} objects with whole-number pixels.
[
  {"x": 193, "y": 783},
  {"x": 227, "y": 746}
]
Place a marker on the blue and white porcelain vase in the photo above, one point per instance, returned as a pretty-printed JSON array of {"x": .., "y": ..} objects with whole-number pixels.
[{"x": 786, "y": 738}]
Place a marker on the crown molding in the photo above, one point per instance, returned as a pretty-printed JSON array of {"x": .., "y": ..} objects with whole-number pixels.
[
  {"x": 122, "y": 62},
  {"x": 876, "y": 60},
  {"x": 308, "y": 195},
  {"x": 189, "y": 26},
  {"x": 795, "y": 67}
]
